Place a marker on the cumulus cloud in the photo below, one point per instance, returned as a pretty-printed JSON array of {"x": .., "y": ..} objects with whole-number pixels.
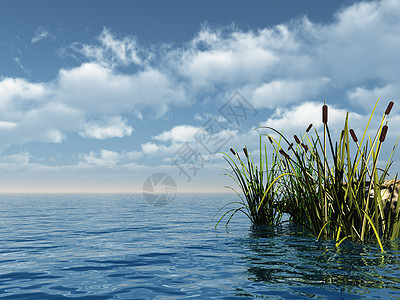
[
  {"x": 186, "y": 141},
  {"x": 48, "y": 111},
  {"x": 108, "y": 158},
  {"x": 278, "y": 67},
  {"x": 47, "y": 123},
  {"x": 104, "y": 158},
  {"x": 152, "y": 148},
  {"x": 362, "y": 43},
  {"x": 99, "y": 90},
  {"x": 17, "y": 94},
  {"x": 279, "y": 93},
  {"x": 300, "y": 60},
  {"x": 297, "y": 118},
  {"x": 15, "y": 163},
  {"x": 366, "y": 98},
  {"x": 114, "y": 127},
  {"x": 181, "y": 133}
]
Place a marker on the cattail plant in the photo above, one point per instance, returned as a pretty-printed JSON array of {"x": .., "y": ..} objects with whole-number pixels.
[
  {"x": 325, "y": 203},
  {"x": 340, "y": 198},
  {"x": 353, "y": 136},
  {"x": 335, "y": 195},
  {"x": 383, "y": 133},
  {"x": 258, "y": 197},
  {"x": 389, "y": 108}
]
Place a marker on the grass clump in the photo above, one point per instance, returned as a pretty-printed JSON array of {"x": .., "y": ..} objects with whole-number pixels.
[
  {"x": 258, "y": 184},
  {"x": 336, "y": 190}
]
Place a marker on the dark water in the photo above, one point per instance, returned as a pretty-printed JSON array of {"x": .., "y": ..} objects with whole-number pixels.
[{"x": 120, "y": 247}]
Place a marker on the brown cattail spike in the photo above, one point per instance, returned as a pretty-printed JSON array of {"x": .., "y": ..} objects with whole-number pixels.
[
  {"x": 290, "y": 146},
  {"x": 245, "y": 152},
  {"x": 270, "y": 140},
  {"x": 309, "y": 128},
  {"x": 296, "y": 139},
  {"x": 284, "y": 153},
  {"x": 304, "y": 146},
  {"x": 389, "y": 107},
  {"x": 233, "y": 151},
  {"x": 325, "y": 114},
  {"x": 383, "y": 133},
  {"x": 353, "y": 135}
]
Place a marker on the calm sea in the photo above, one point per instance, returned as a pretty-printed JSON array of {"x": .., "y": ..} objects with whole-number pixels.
[{"x": 117, "y": 246}]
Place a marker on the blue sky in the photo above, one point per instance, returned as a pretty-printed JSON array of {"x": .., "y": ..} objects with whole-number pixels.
[{"x": 95, "y": 96}]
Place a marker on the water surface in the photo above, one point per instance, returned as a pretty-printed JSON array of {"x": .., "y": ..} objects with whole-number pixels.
[{"x": 117, "y": 246}]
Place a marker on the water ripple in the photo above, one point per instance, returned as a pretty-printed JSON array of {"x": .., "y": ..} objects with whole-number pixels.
[{"x": 119, "y": 247}]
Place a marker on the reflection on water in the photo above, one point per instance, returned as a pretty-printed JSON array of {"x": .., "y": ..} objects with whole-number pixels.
[{"x": 287, "y": 255}]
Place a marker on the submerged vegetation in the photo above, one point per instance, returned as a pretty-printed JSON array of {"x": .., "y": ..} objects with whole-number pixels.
[{"x": 335, "y": 190}]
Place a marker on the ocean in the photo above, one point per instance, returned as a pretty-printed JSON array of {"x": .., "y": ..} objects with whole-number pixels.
[{"x": 119, "y": 246}]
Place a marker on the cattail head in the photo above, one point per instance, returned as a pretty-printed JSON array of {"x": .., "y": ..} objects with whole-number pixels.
[
  {"x": 284, "y": 154},
  {"x": 296, "y": 139},
  {"x": 309, "y": 128},
  {"x": 383, "y": 133},
  {"x": 325, "y": 114},
  {"x": 389, "y": 108},
  {"x": 305, "y": 147},
  {"x": 270, "y": 140},
  {"x": 245, "y": 152},
  {"x": 353, "y": 135},
  {"x": 290, "y": 146},
  {"x": 233, "y": 151}
]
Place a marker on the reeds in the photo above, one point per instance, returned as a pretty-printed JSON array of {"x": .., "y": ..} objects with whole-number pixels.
[
  {"x": 335, "y": 192},
  {"x": 258, "y": 184}
]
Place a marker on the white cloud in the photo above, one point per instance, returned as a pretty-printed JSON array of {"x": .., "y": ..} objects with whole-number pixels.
[
  {"x": 133, "y": 155},
  {"x": 48, "y": 111},
  {"x": 104, "y": 158},
  {"x": 185, "y": 140},
  {"x": 21, "y": 66},
  {"x": 300, "y": 60},
  {"x": 98, "y": 90},
  {"x": 18, "y": 158},
  {"x": 290, "y": 63},
  {"x": 366, "y": 98},
  {"x": 44, "y": 122},
  {"x": 41, "y": 33},
  {"x": 108, "y": 158},
  {"x": 114, "y": 127},
  {"x": 234, "y": 59},
  {"x": 7, "y": 125},
  {"x": 17, "y": 94},
  {"x": 362, "y": 43},
  {"x": 111, "y": 51},
  {"x": 297, "y": 118},
  {"x": 151, "y": 148},
  {"x": 181, "y": 133},
  {"x": 283, "y": 92}
]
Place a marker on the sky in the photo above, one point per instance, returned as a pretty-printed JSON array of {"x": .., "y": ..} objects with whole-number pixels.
[{"x": 96, "y": 96}]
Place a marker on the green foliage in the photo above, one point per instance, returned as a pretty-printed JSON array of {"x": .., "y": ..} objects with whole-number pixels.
[
  {"x": 258, "y": 186},
  {"x": 335, "y": 192}
]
